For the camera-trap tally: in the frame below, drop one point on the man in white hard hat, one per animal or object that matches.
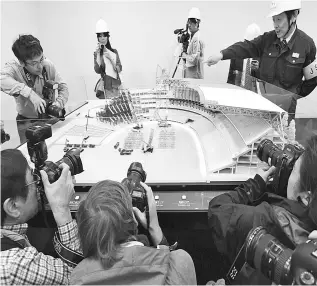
(195, 51)
(286, 54)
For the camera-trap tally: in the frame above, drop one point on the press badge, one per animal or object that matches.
(310, 71)
(295, 55)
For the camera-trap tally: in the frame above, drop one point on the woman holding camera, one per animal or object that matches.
(106, 63)
(114, 253)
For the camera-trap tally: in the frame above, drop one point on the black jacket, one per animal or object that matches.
(232, 215)
(282, 67)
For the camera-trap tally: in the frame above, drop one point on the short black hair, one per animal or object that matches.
(26, 47)
(13, 176)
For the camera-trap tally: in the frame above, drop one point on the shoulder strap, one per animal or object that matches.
(7, 243)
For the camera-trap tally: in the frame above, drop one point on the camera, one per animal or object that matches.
(135, 175)
(183, 37)
(277, 262)
(48, 93)
(283, 160)
(37, 150)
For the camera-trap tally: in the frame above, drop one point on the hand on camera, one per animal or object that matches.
(38, 103)
(59, 194)
(214, 59)
(267, 172)
(154, 227)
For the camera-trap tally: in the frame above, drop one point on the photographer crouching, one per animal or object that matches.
(21, 263)
(33, 81)
(285, 208)
(114, 253)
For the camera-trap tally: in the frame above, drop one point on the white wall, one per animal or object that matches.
(141, 31)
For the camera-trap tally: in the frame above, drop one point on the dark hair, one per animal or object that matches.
(105, 220)
(194, 20)
(13, 176)
(26, 47)
(291, 13)
(108, 45)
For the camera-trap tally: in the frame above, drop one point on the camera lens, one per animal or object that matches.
(73, 160)
(268, 152)
(265, 253)
(136, 170)
(55, 111)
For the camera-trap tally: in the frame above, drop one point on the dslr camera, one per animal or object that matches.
(283, 160)
(48, 93)
(37, 150)
(135, 175)
(280, 264)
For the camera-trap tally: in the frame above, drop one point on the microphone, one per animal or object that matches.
(178, 31)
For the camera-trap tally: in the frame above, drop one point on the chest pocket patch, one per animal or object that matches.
(293, 72)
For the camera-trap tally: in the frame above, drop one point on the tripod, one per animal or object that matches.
(179, 59)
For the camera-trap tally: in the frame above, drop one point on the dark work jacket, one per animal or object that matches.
(232, 215)
(279, 67)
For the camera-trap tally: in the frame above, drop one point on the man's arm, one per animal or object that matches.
(245, 49)
(10, 85)
(247, 193)
(29, 267)
(310, 74)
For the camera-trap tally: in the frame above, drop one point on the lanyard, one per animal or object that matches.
(29, 79)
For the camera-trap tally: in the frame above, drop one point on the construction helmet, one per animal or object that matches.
(101, 27)
(280, 6)
(194, 13)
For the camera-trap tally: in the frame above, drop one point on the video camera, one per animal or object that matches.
(283, 160)
(279, 263)
(48, 93)
(135, 175)
(183, 37)
(37, 150)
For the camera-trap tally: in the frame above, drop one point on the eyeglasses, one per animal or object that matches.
(36, 179)
(35, 63)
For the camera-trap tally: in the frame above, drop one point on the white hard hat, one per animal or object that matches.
(280, 6)
(194, 13)
(101, 27)
(252, 32)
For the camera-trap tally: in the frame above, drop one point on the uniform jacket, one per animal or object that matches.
(281, 67)
(195, 57)
(14, 82)
(139, 265)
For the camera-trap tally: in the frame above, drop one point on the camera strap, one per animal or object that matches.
(29, 78)
(236, 266)
(66, 254)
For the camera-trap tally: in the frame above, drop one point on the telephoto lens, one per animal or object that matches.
(268, 152)
(265, 253)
